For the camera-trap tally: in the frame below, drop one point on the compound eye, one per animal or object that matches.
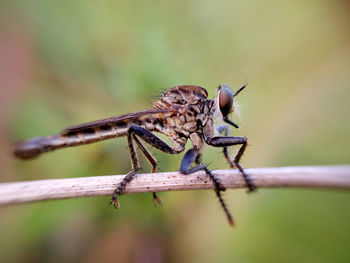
(225, 100)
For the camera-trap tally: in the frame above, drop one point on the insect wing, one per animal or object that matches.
(111, 120)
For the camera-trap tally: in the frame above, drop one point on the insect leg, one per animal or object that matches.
(190, 157)
(224, 129)
(198, 159)
(151, 139)
(155, 141)
(226, 141)
(157, 200)
(135, 167)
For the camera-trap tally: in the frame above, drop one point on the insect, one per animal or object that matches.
(182, 113)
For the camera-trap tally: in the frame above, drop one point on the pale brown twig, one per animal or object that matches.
(303, 176)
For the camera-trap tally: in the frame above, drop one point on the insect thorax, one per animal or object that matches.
(191, 113)
(181, 95)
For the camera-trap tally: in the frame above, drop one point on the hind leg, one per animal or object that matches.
(134, 132)
(156, 199)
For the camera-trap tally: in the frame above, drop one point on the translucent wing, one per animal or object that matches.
(112, 120)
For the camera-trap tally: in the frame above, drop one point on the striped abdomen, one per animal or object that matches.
(83, 134)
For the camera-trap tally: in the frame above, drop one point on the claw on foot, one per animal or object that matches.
(222, 188)
(157, 201)
(230, 220)
(115, 203)
(251, 188)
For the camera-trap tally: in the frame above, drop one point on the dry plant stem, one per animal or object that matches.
(303, 176)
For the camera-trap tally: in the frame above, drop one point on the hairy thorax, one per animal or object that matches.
(187, 122)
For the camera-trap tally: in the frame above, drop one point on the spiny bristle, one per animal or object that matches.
(162, 91)
(150, 102)
(158, 96)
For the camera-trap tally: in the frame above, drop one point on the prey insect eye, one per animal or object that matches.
(225, 100)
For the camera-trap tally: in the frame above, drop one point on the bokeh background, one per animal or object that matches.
(68, 62)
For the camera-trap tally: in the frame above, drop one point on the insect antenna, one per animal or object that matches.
(239, 90)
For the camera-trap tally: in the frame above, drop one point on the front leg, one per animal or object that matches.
(224, 129)
(192, 156)
(226, 141)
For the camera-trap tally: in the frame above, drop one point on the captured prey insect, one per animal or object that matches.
(183, 112)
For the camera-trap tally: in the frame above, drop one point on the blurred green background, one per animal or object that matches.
(68, 62)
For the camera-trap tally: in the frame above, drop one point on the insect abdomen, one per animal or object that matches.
(30, 148)
(33, 147)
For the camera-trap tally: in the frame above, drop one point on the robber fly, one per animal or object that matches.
(183, 112)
